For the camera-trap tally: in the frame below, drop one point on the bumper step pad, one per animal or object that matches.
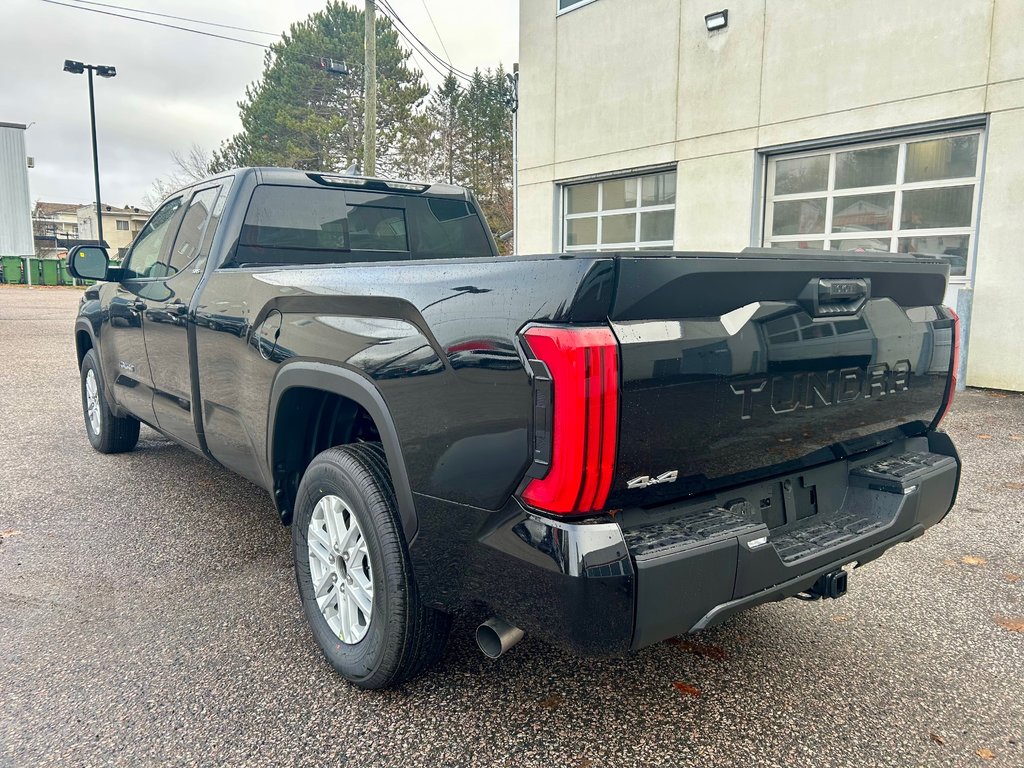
(824, 533)
(697, 527)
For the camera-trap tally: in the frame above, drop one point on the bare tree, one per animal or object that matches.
(188, 168)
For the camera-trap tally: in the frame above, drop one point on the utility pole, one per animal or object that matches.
(370, 108)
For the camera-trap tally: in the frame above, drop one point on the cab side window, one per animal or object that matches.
(192, 233)
(149, 253)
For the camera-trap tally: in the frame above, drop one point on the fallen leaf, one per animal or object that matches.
(984, 437)
(840, 618)
(1013, 625)
(985, 754)
(586, 762)
(9, 533)
(949, 561)
(699, 649)
(1015, 486)
(997, 394)
(973, 560)
(1017, 437)
(689, 690)
(936, 738)
(552, 701)
(1011, 578)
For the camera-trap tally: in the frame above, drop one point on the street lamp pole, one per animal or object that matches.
(77, 68)
(95, 161)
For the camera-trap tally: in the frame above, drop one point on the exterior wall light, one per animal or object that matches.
(717, 20)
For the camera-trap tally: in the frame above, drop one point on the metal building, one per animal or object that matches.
(15, 204)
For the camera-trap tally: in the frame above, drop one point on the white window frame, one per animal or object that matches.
(830, 193)
(578, 4)
(634, 245)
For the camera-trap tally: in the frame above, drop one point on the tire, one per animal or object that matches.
(400, 638)
(107, 433)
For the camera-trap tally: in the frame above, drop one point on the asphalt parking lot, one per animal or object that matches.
(148, 614)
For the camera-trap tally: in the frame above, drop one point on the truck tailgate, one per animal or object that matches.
(740, 367)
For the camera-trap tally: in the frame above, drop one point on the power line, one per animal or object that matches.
(176, 18)
(393, 15)
(427, 55)
(158, 24)
(408, 40)
(439, 39)
(444, 62)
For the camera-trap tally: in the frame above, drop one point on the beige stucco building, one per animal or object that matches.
(120, 226)
(836, 124)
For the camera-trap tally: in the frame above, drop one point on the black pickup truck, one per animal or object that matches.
(602, 449)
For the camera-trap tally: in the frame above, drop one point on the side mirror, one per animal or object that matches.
(88, 262)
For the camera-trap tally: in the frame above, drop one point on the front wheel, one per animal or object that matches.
(107, 433)
(354, 574)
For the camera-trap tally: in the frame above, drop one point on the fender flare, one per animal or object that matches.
(83, 324)
(356, 387)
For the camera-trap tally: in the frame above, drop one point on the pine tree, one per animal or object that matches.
(300, 116)
(444, 113)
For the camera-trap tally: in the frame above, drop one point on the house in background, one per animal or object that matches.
(54, 228)
(803, 124)
(120, 226)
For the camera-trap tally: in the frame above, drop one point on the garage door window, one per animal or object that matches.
(626, 214)
(917, 195)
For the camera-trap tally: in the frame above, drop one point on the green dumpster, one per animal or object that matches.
(65, 276)
(12, 269)
(35, 269)
(50, 271)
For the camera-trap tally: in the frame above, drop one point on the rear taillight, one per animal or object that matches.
(954, 367)
(576, 413)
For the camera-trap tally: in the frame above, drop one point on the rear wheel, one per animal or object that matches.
(353, 571)
(107, 433)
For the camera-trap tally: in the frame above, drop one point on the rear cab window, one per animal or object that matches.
(291, 225)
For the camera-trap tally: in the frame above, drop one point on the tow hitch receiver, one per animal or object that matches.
(830, 585)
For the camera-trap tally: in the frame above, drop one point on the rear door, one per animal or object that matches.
(735, 368)
(167, 317)
(123, 350)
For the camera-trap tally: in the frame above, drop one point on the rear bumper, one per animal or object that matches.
(608, 586)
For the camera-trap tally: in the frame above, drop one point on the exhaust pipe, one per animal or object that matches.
(496, 636)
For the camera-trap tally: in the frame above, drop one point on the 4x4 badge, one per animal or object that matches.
(646, 480)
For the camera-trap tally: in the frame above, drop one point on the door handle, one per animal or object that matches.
(139, 305)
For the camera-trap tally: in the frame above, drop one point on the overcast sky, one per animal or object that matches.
(174, 88)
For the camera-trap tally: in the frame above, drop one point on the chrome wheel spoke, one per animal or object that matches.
(317, 552)
(323, 587)
(361, 596)
(352, 626)
(339, 565)
(350, 535)
(330, 518)
(319, 542)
